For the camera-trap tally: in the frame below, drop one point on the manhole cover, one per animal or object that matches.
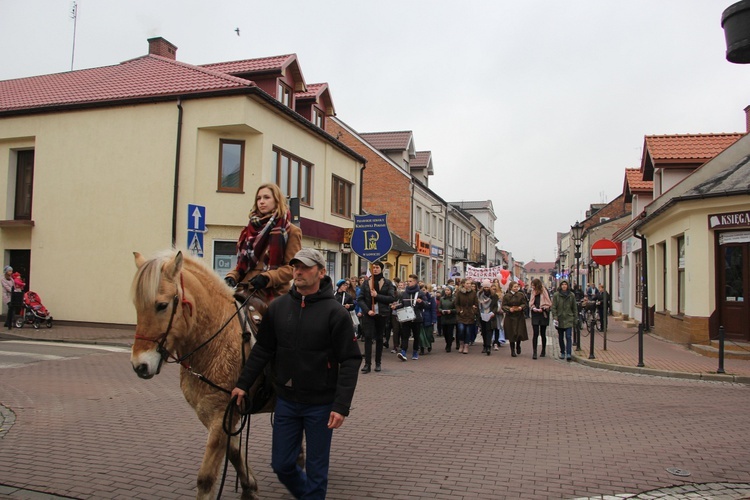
(678, 472)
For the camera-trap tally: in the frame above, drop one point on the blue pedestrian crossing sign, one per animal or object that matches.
(196, 225)
(195, 243)
(196, 218)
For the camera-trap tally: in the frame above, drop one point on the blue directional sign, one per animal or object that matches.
(195, 243)
(196, 218)
(371, 238)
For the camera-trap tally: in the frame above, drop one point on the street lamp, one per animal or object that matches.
(576, 232)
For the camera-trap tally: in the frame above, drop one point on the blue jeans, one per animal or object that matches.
(290, 420)
(466, 333)
(565, 345)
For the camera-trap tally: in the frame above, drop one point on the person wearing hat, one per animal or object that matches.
(564, 312)
(308, 337)
(375, 297)
(266, 245)
(8, 289)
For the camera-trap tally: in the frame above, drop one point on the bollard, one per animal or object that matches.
(591, 345)
(640, 345)
(721, 350)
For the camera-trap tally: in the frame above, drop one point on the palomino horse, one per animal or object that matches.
(186, 313)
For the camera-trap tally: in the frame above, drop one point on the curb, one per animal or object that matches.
(713, 377)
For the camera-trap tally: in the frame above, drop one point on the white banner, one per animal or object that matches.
(480, 273)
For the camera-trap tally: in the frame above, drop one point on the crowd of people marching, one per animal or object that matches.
(391, 315)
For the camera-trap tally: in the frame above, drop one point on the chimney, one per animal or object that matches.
(747, 119)
(160, 47)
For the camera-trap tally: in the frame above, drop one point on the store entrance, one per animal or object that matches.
(734, 283)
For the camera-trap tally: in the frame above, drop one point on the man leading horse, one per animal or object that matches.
(309, 338)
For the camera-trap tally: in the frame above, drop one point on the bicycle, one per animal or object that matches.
(591, 319)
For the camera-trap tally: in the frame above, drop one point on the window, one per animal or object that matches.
(441, 229)
(418, 219)
(24, 184)
(285, 94)
(341, 197)
(293, 175)
(638, 257)
(231, 165)
(225, 257)
(433, 226)
(664, 262)
(681, 275)
(317, 117)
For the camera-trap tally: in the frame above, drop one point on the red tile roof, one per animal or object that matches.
(539, 267)
(313, 90)
(259, 65)
(388, 141)
(636, 184)
(140, 78)
(688, 146)
(422, 160)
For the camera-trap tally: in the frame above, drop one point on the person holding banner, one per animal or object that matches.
(467, 306)
(374, 299)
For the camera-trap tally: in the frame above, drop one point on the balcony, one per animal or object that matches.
(459, 254)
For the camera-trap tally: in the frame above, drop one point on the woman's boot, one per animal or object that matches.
(534, 355)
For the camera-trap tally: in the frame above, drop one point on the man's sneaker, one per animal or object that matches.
(415, 355)
(394, 351)
(402, 355)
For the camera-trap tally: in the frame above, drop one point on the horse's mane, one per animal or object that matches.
(148, 277)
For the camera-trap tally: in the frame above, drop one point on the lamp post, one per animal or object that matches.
(576, 232)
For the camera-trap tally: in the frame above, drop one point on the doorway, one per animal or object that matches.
(733, 279)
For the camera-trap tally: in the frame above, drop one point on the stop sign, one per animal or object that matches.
(604, 252)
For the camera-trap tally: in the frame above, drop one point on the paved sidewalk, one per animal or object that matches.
(660, 357)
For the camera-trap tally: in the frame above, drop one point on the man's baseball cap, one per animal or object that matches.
(309, 257)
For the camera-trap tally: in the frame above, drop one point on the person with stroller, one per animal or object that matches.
(9, 287)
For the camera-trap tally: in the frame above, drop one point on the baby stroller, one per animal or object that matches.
(34, 312)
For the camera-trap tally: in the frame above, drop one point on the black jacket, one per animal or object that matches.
(386, 295)
(315, 355)
(408, 298)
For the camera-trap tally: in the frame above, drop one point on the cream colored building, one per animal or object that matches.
(98, 163)
(698, 243)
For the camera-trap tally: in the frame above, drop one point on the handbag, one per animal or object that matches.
(405, 314)
(355, 318)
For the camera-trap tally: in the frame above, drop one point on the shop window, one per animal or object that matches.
(638, 258)
(681, 275)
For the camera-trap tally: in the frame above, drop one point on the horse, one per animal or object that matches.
(186, 313)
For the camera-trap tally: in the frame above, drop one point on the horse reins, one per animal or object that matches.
(168, 357)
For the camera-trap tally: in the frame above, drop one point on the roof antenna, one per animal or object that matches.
(74, 17)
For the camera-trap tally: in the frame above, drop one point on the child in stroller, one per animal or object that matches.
(34, 311)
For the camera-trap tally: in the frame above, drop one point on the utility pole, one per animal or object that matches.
(74, 16)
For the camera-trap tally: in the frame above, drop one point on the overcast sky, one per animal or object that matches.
(538, 106)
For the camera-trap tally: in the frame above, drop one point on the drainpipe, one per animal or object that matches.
(644, 277)
(176, 173)
(361, 210)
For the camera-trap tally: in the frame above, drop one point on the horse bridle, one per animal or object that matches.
(161, 339)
